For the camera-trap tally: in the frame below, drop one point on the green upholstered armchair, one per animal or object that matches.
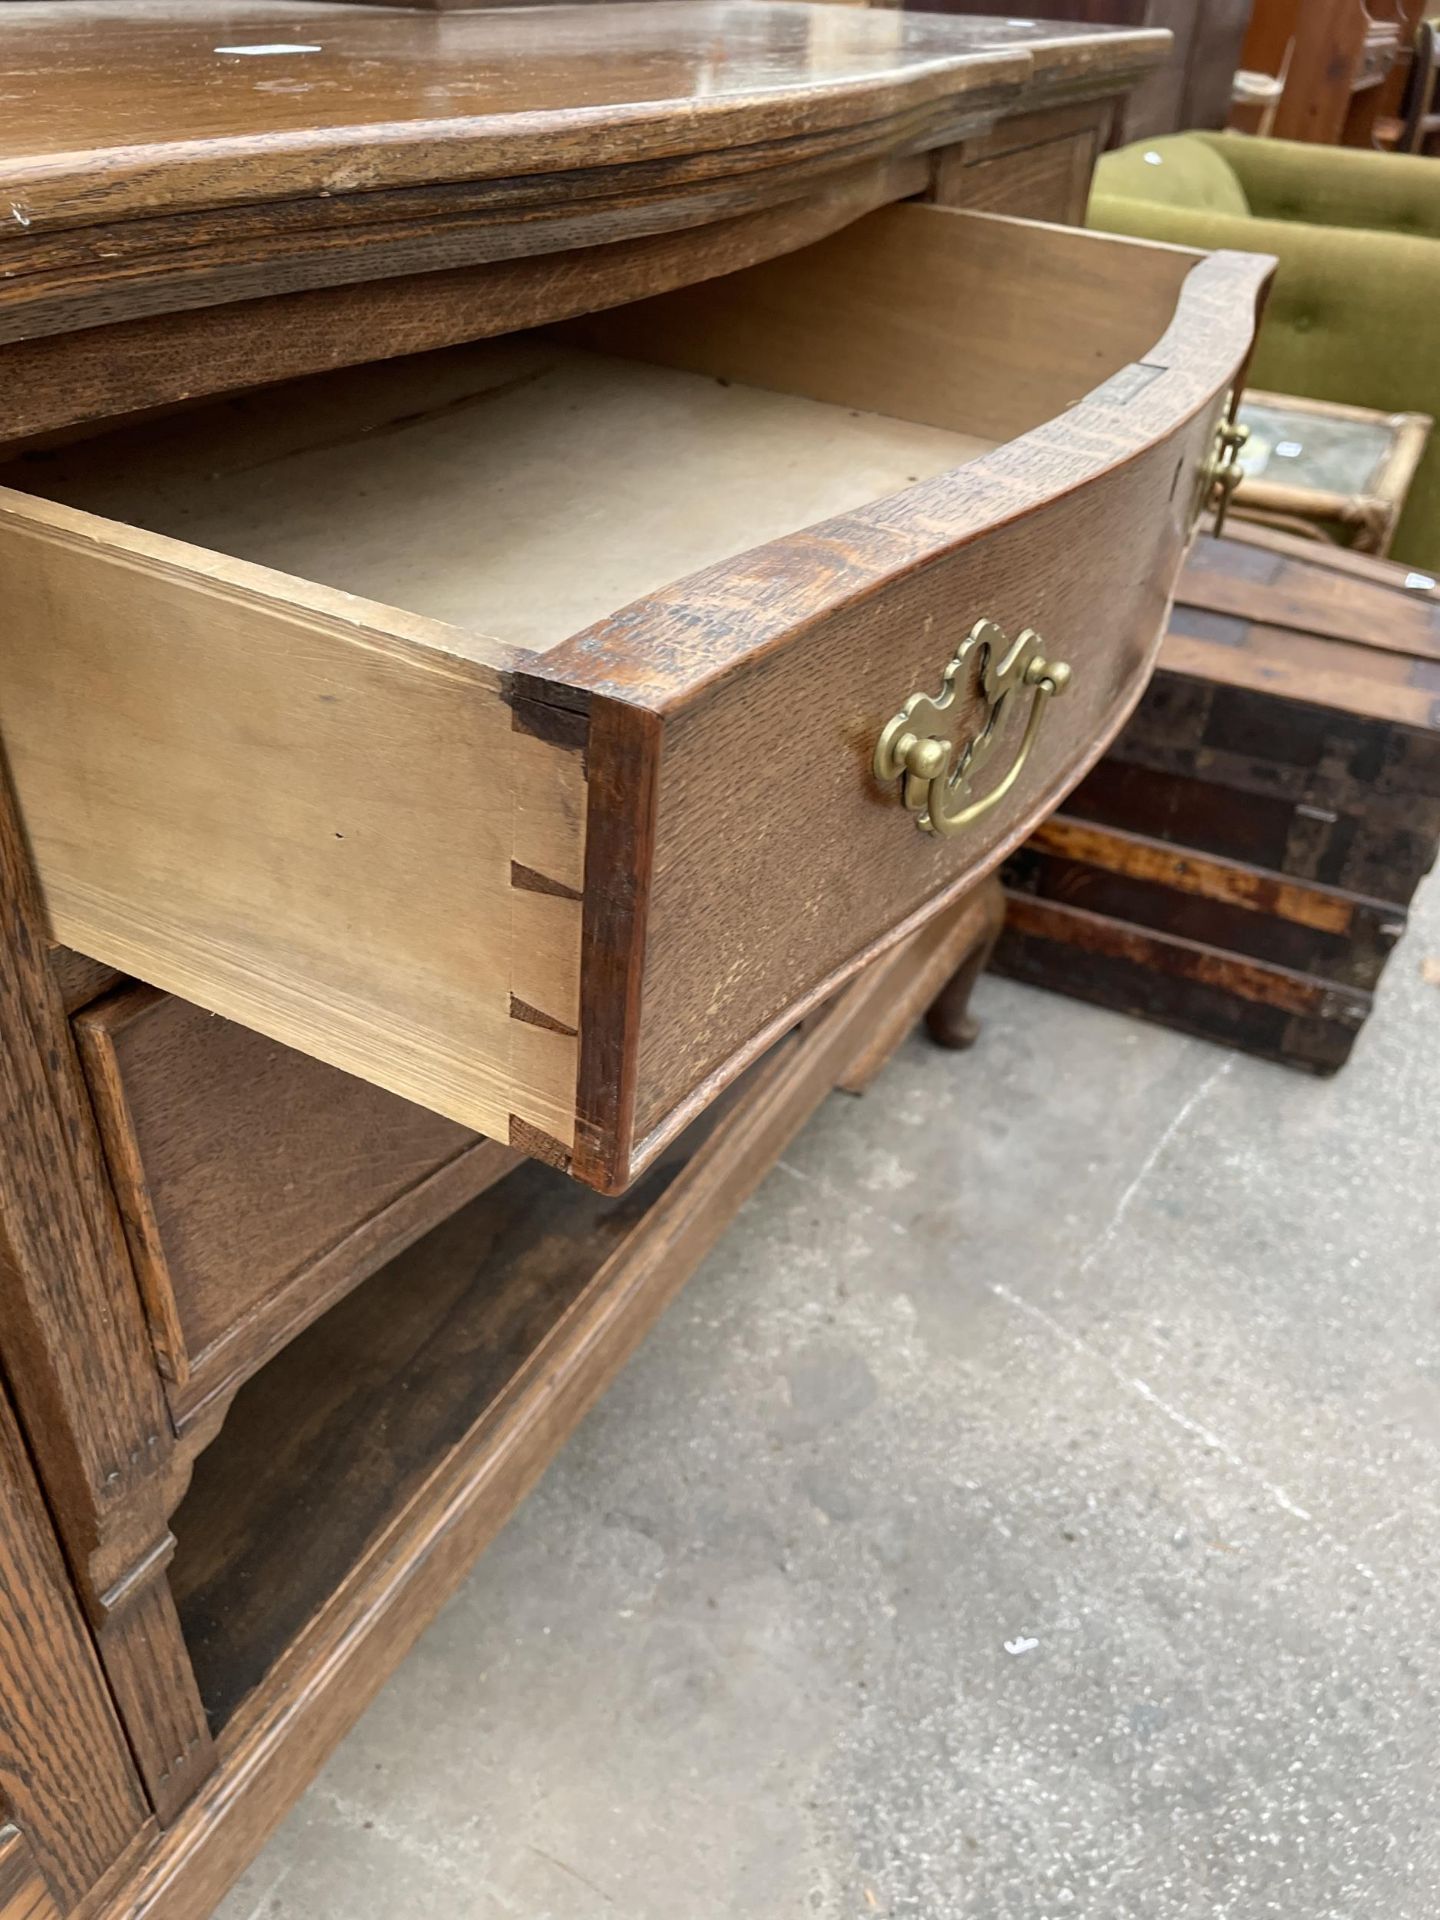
(1355, 311)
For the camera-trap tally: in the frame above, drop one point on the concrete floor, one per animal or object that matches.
(1029, 1512)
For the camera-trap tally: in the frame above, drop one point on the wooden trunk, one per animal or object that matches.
(1240, 863)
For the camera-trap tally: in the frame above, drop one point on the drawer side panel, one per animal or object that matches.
(296, 809)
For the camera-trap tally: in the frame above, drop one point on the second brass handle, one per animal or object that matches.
(1225, 470)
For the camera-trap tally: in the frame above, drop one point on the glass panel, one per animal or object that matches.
(1320, 452)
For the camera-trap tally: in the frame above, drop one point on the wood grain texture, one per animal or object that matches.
(125, 367)
(331, 765)
(1252, 839)
(112, 118)
(1283, 1016)
(257, 1185)
(1035, 166)
(66, 1777)
(1293, 723)
(1293, 586)
(451, 483)
(831, 630)
(142, 144)
(1049, 182)
(76, 1352)
(510, 991)
(881, 316)
(23, 1892)
(444, 1507)
(1242, 909)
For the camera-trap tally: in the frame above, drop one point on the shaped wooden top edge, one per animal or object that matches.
(163, 107)
(679, 645)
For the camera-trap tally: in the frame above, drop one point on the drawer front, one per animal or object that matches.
(562, 897)
(256, 1184)
(780, 858)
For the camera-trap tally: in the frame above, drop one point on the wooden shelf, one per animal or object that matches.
(326, 1449)
(363, 1467)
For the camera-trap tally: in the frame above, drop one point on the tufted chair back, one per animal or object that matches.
(1355, 311)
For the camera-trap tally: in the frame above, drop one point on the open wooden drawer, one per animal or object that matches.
(556, 871)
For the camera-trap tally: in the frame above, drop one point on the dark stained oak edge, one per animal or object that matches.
(131, 367)
(623, 756)
(184, 271)
(426, 154)
(283, 1732)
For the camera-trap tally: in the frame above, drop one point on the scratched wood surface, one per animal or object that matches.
(173, 154)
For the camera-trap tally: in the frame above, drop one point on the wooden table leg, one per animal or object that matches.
(956, 944)
(948, 1019)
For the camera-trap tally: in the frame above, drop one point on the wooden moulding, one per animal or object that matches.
(64, 380)
(418, 149)
(67, 1782)
(499, 1406)
(78, 1363)
(563, 897)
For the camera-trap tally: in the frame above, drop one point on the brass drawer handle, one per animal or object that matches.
(1225, 471)
(918, 744)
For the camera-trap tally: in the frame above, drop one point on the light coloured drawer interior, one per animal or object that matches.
(447, 848)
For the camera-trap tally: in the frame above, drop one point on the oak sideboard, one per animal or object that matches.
(547, 555)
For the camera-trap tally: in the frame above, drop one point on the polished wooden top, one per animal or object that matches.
(113, 108)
